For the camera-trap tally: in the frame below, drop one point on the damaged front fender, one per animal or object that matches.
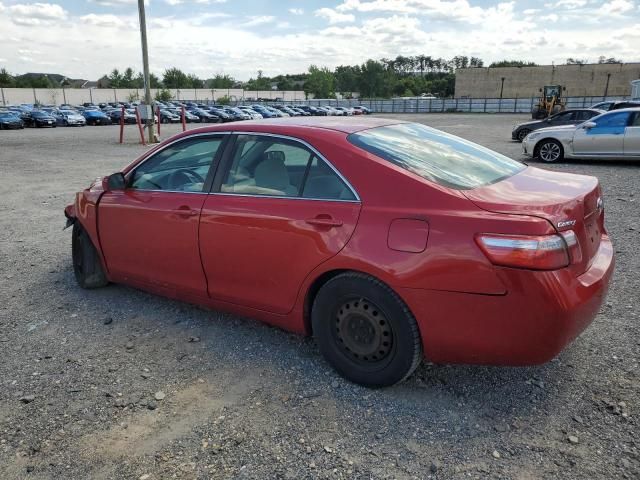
(70, 214)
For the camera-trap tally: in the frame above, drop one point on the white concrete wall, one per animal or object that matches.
(77, 96)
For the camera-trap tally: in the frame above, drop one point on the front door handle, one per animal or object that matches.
(324, 221)
(185, 212)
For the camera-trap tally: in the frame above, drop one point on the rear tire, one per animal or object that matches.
(87, 267)
(550, 151)
(365, 330)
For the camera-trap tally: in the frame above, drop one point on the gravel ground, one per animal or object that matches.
(119, 384)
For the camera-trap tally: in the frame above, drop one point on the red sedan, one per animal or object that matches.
(387, 241)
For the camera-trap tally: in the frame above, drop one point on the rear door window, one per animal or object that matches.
(436, 156)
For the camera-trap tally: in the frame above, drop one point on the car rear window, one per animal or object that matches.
(436, 156)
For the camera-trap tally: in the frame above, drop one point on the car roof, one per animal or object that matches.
(628, 109)
(340, 124)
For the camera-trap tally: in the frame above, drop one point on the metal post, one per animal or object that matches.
(606, 88)
(515, 105)
(145, 66)
(35, 99)
(90, 95)
(64, 96)
(3, 100)
(122, 124)
(159, 119)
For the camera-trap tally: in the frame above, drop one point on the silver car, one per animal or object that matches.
(612, 135)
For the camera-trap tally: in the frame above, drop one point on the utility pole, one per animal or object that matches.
(145, 69)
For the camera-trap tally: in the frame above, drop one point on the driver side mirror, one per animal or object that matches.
(588, 125)
(115, 181)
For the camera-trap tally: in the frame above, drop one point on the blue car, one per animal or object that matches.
(96, 117)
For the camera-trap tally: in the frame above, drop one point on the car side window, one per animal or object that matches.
(563, 117)
(182, 167)
(272, 166)
(265, 165)
(583, 115)
(323, 183)
(636, 120)
(618, 119)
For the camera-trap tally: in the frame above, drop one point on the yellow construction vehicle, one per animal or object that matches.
(550, 102)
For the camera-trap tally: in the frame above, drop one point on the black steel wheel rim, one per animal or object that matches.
(363, 332)
(522, 134)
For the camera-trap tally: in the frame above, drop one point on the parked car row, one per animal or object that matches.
(28, 115)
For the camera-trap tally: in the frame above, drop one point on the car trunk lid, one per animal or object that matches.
(567, 201)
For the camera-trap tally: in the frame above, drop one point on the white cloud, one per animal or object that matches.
(107, 20)
(36, 14)
(259, 20)
(113, 3)
(200, 2)
(296, 11)
(334, 17)
(552, 17)
(570, 4)
(616, 7)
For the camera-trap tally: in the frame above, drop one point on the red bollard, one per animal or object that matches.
(159, 119)
(184, 120)
(139, 122)
(122, 125)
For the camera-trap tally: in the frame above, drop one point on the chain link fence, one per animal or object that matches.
(449, 105)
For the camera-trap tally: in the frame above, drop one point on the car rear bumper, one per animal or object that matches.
(541, 313)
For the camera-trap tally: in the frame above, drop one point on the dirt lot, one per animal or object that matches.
(81, 370)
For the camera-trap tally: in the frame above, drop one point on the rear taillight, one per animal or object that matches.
(544, 252)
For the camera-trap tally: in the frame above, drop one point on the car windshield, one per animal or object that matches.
(7, 115)
(39, 114)
(436, 156)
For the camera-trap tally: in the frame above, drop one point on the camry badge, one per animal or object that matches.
(566, 223)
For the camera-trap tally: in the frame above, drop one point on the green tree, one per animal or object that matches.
(321, 82)
(603, 59)
(115, 78)
(163, 95)
(194, 82)
(576, 61)
(376, 80)
(128, 79)
(512, 63)
(6, 79)
(347, 78)
(175, 78)
(221, 81)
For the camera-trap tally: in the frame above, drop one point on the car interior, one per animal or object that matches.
(181, 167)
(275, 167)
(260, 166)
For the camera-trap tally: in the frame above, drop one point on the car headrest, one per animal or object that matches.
(271, 171)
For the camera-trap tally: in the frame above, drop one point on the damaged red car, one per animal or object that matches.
(387, 241)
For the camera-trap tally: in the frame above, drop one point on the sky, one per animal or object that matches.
(88, 38)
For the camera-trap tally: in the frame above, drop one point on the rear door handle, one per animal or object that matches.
(186, 212)
(324, 221)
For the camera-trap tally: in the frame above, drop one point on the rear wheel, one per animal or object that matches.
(550, 151)
(365, 331)
(86, 263)
(523, 133)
